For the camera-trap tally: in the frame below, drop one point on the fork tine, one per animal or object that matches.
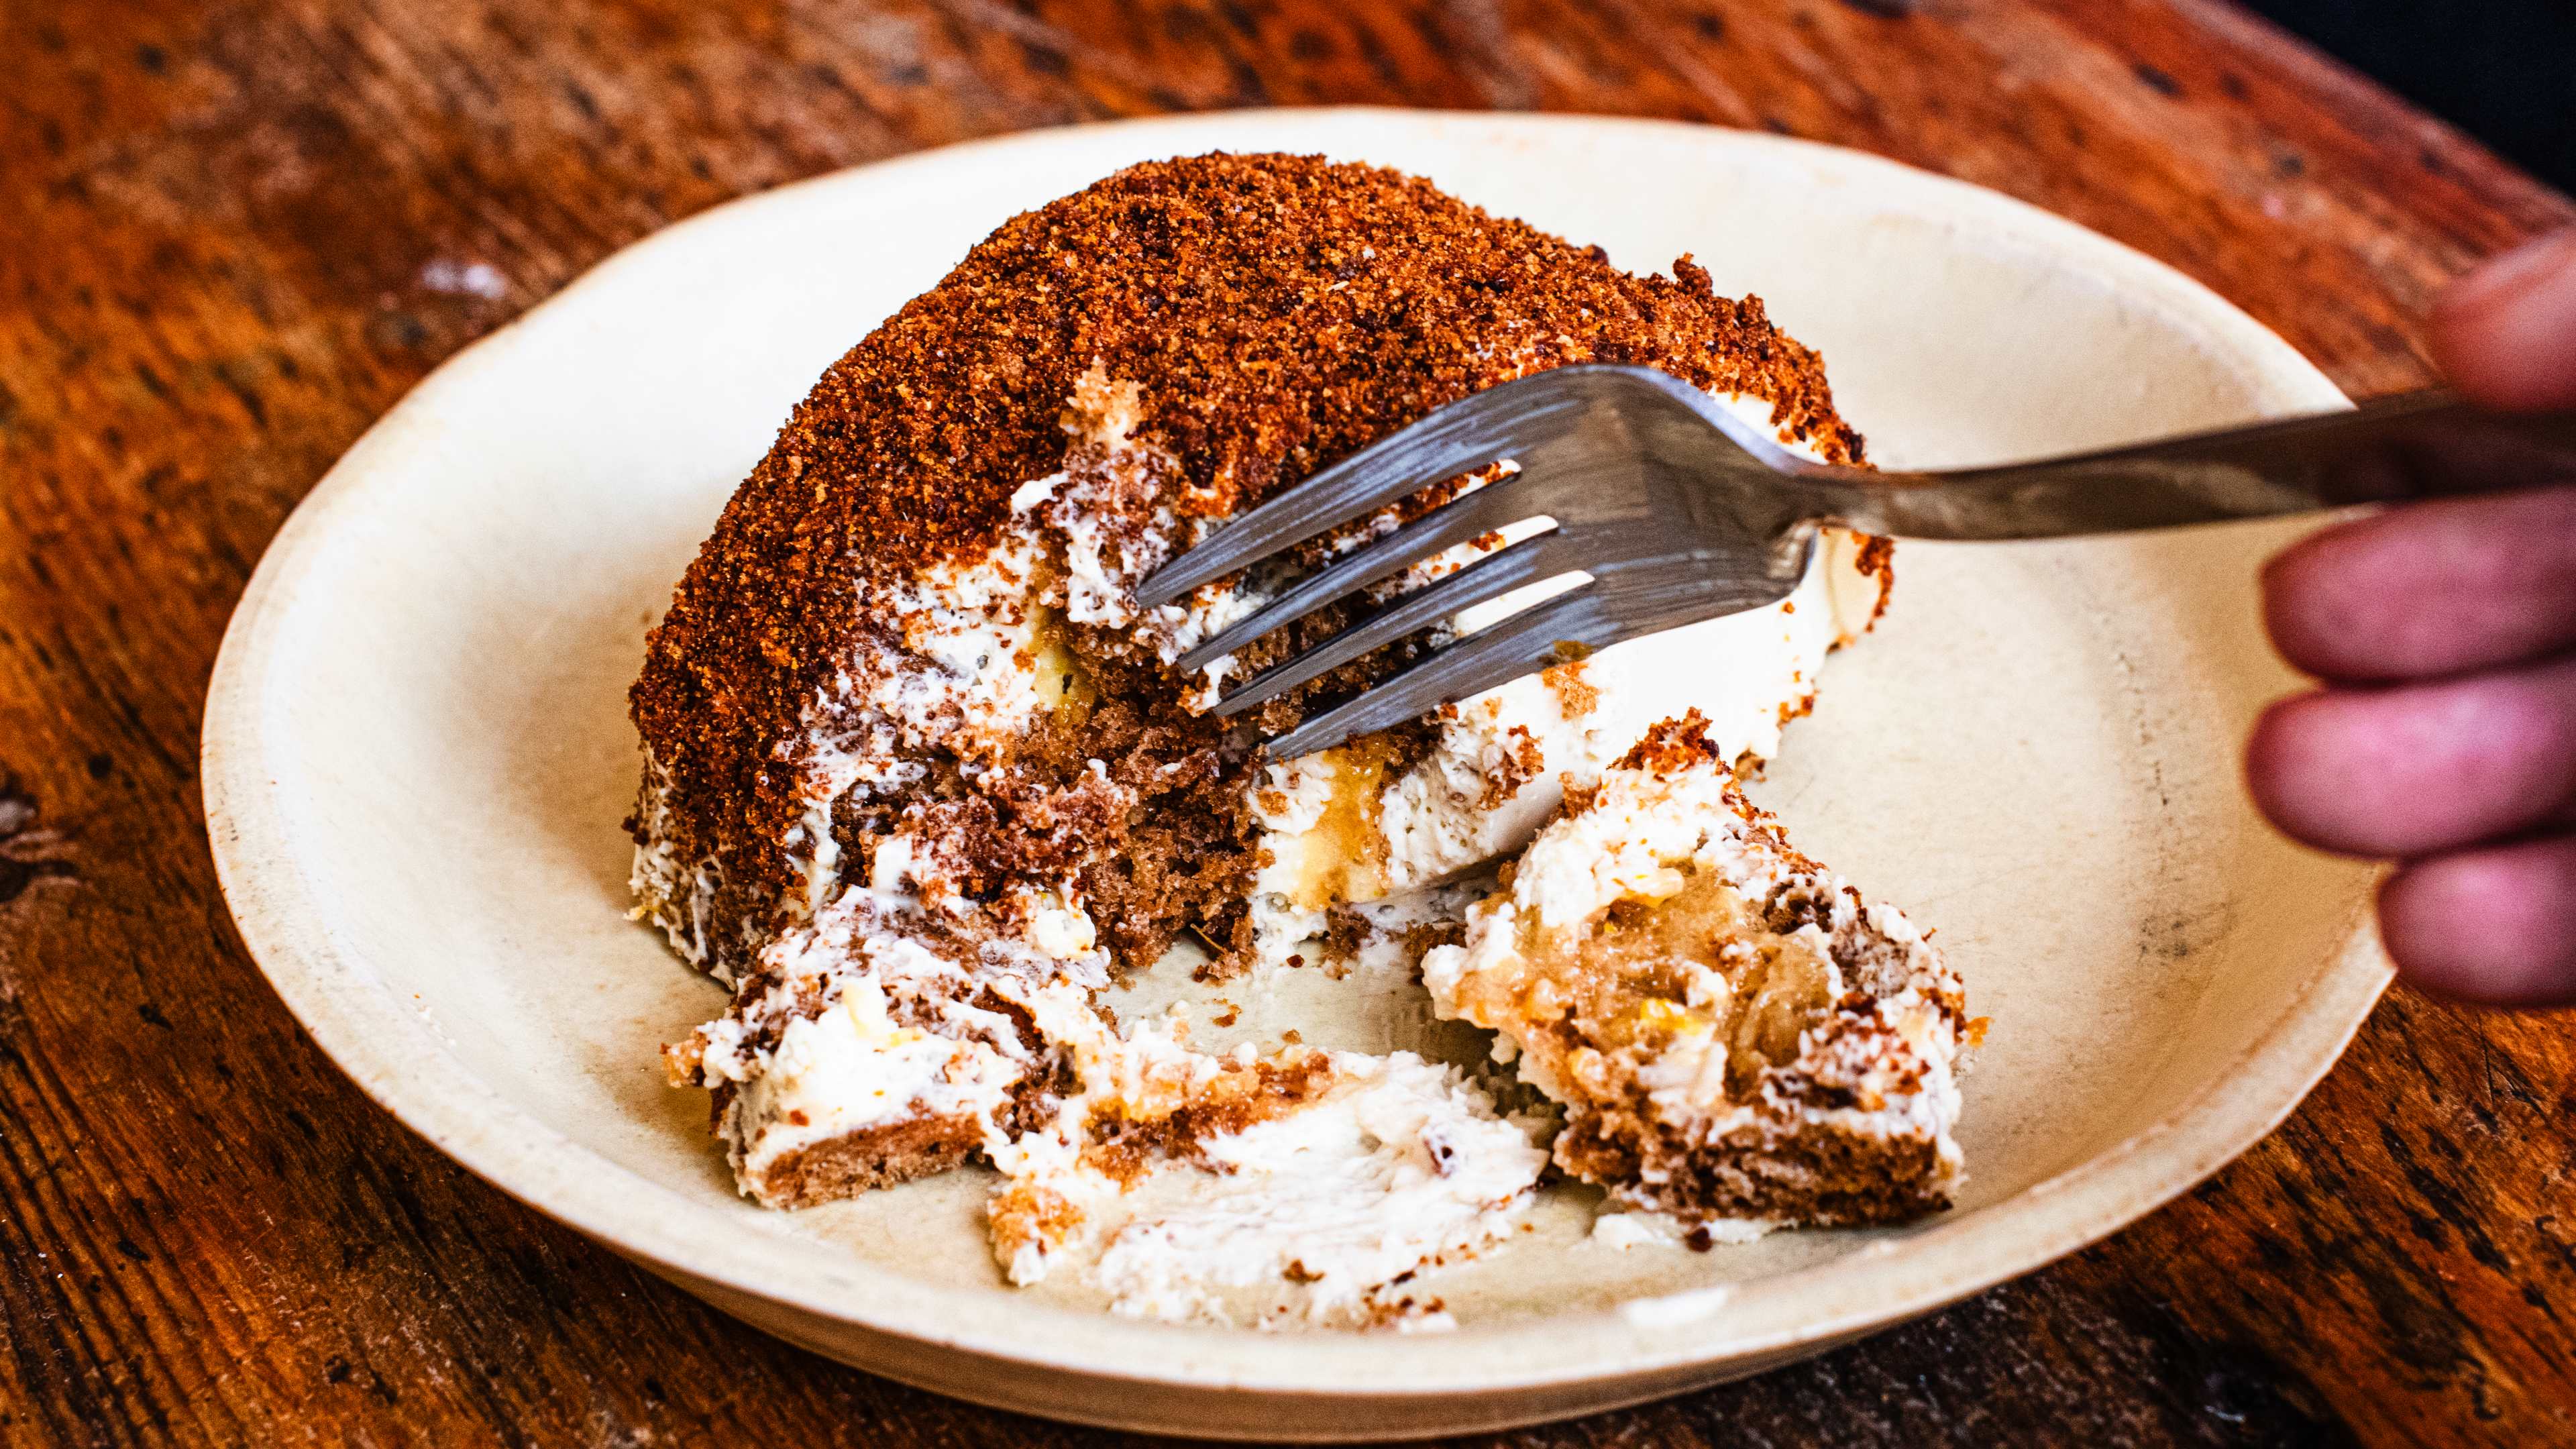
(1528, 562)
(1522, 644)
(1478, 430)
(1623, 602)
(1455, 522)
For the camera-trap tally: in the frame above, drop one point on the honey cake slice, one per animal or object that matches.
(922, 781)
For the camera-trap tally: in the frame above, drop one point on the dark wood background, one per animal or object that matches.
(232, 234)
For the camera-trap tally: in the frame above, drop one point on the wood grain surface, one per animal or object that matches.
(232, 234)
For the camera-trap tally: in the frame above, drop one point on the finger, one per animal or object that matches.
(2505, 334)
(2423, 768)
(2437, 588)
(2495, 925)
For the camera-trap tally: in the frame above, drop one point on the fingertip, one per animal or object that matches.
(2287, 587)
(2336, 603)
(2505, 333)
(2437, 588)
(2470, 362)
(2333, 599)
(2276, 766)
(2415, 769)
(2493, 925)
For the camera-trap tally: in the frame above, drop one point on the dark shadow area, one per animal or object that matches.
(2502, 70)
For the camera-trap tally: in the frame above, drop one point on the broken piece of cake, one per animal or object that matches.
(1737, 1035)
(922, 781)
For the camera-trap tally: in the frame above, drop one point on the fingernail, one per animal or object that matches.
(2545, 263)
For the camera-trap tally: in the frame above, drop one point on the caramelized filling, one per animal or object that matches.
(1694, 989)
(1063, 685)
(1345, 858)
(1703, 960)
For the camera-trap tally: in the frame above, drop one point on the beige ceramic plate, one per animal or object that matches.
(417, 756)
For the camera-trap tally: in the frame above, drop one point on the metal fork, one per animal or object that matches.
(1680, 511)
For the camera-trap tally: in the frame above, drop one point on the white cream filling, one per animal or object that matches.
(1309, 1218)
(850, 1069)
(852, 1064)
(1623, 1229)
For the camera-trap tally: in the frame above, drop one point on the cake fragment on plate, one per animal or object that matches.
(886, 1040)
(1319, 1211)
(1736, 1033)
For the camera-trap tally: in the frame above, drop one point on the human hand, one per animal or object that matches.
(2445, 636)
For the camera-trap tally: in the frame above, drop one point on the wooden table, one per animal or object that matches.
(232, 235)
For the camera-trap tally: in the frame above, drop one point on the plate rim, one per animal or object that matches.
(396, 1060)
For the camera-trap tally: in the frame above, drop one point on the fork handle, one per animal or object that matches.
(2382, 451)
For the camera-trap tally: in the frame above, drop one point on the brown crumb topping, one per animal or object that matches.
(1877, 559)
(1575, 696)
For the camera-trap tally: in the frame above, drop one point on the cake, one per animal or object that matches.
(1736, 1034)
(921, 780)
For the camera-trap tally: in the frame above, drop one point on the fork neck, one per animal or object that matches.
(2327, 460)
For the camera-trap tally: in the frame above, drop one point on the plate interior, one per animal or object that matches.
(2034, 753)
